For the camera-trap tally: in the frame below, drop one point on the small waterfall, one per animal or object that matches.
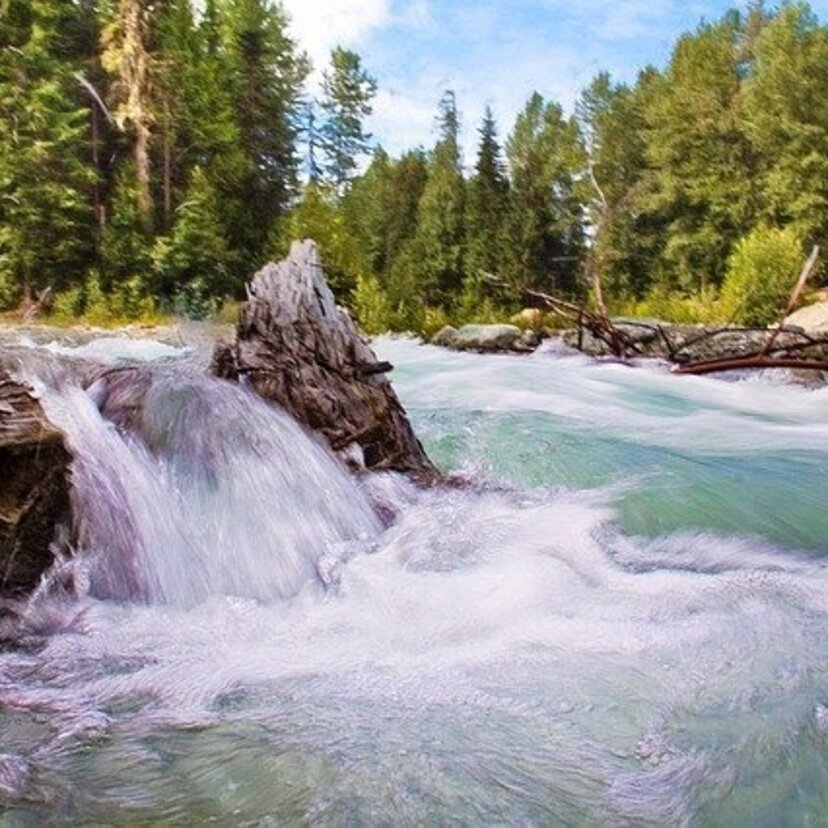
(215, 493)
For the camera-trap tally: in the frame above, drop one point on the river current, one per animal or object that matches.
(621, 619)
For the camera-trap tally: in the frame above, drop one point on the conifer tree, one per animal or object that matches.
(266, 74)
(439, 242)
(45, 176)
(347, 92)
(785, 112)
(486, 204)
(127, 56)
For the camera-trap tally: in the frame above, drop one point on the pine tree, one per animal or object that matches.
(195, 260)
(45, 175)
(347, 92)
(128, 57)
(439, 241)
(265, 76)
(486, 206)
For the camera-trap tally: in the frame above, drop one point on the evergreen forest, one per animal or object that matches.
(153, 155)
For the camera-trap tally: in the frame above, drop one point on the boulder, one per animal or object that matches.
(487, 337)
(445, 337)
(298, 349)
(528, 341)
(34, 488)
(812, 319)
(483, 338)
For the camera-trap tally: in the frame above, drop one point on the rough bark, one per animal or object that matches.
(299, 350)
(34, 488)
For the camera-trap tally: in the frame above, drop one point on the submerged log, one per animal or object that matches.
(298, 349)
(34, 488)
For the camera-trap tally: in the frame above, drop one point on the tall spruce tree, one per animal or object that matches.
(127, 55)
(440, 240)
(266, 74)
(45, 174)
(486, 203)
(347, 92)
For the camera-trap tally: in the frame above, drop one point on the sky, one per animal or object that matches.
(490, 52)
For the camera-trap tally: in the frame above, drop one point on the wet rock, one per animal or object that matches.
(298, 349)
(445, 337)
(688, 343)
(483, 338)
(487, 337)
(34, 487)
(528, 341)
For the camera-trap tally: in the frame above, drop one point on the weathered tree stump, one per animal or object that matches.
(34, 488)
(298, 349)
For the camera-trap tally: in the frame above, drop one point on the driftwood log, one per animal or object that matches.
(34, 488)
(298, 349)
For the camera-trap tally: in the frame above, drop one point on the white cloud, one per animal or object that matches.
(319, 25)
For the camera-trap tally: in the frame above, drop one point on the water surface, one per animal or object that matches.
(622, 621)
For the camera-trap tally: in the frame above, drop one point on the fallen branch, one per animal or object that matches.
(752, 361)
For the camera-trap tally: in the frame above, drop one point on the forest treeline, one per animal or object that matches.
(154, 154)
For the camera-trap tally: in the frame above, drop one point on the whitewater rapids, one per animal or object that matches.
(623, 620)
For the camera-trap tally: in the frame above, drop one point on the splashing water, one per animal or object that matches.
(627, 627)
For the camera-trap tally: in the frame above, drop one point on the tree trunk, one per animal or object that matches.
(299, 350)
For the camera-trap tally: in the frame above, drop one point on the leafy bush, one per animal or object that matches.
(372, 306)
(671, 306)
(68, 306)
(434, 318)
(760, 274)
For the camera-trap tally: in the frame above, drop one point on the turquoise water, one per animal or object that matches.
(745, 457)
(622, 619)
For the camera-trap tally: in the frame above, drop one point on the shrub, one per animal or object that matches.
(671, 306)
(760, 274)
(372, 306)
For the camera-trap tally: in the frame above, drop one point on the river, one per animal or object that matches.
(621, 619)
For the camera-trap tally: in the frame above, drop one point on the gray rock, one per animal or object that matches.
(445, 337)
(488, 338)
(812, 319)
(528, 341)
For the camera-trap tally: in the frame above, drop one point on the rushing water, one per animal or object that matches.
(623, 620)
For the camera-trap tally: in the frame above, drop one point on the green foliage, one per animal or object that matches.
(761, 273)
(45, 179)
(486, 204)
(149, 156)
(372, 307)
(702, 182)
(347, 91)
(194, 261)
(440, 238)
(673, 306)
(786, 116)
(318, 217)
(433, 319)
(125, 243)
(544, 222)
